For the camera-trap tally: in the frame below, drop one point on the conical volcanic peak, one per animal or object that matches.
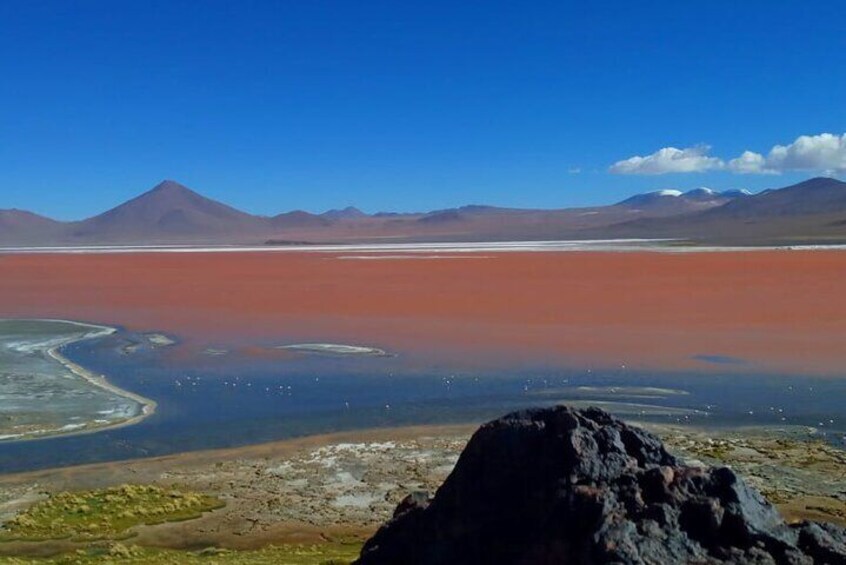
(169, 210)
(168, 194)
(168, 185)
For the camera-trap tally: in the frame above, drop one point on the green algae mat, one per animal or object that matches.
(104, 514)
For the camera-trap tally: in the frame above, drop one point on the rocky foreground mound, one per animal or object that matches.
(561, 485)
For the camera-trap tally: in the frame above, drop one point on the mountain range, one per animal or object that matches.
(170, 213)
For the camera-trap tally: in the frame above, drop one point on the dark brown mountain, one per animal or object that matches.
(567, 222)
(348, 213)
(471, 211)
(442, 216)
(298, 219)
(168, 212)
(19, 227)
(807, 212)
(821, 195)
(672, 202)
(493, 223)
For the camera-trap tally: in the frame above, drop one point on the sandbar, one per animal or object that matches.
(51, 349)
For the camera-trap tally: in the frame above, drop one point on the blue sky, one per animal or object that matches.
(272, 106)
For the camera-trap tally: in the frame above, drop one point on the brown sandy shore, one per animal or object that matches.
(343, 485)
(305, 490)
(780, 311)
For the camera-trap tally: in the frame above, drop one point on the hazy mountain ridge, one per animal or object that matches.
(348, 213)
(810, 211)
(20, 225)
(14, 218)
(173, 213)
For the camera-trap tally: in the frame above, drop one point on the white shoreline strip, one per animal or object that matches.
(609, 245)
(382, 256)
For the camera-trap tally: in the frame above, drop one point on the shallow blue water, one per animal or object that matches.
(231, 401)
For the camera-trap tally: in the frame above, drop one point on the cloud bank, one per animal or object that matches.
(824, 153)
(668, 160)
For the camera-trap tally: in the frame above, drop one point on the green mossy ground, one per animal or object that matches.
(322, 554)
(99, 519)
(104, 514)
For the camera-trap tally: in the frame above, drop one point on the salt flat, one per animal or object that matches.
(42, 393)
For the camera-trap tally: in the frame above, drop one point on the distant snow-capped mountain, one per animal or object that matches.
(695, 199)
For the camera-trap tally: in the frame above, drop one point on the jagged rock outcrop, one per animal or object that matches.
(559, 485)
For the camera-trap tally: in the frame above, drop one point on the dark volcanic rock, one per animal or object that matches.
(560, 485)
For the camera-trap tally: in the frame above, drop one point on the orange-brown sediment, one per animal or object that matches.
(778, 310)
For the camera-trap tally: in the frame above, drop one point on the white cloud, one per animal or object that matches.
(669, 160)
(750, 162)
(824, 153)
